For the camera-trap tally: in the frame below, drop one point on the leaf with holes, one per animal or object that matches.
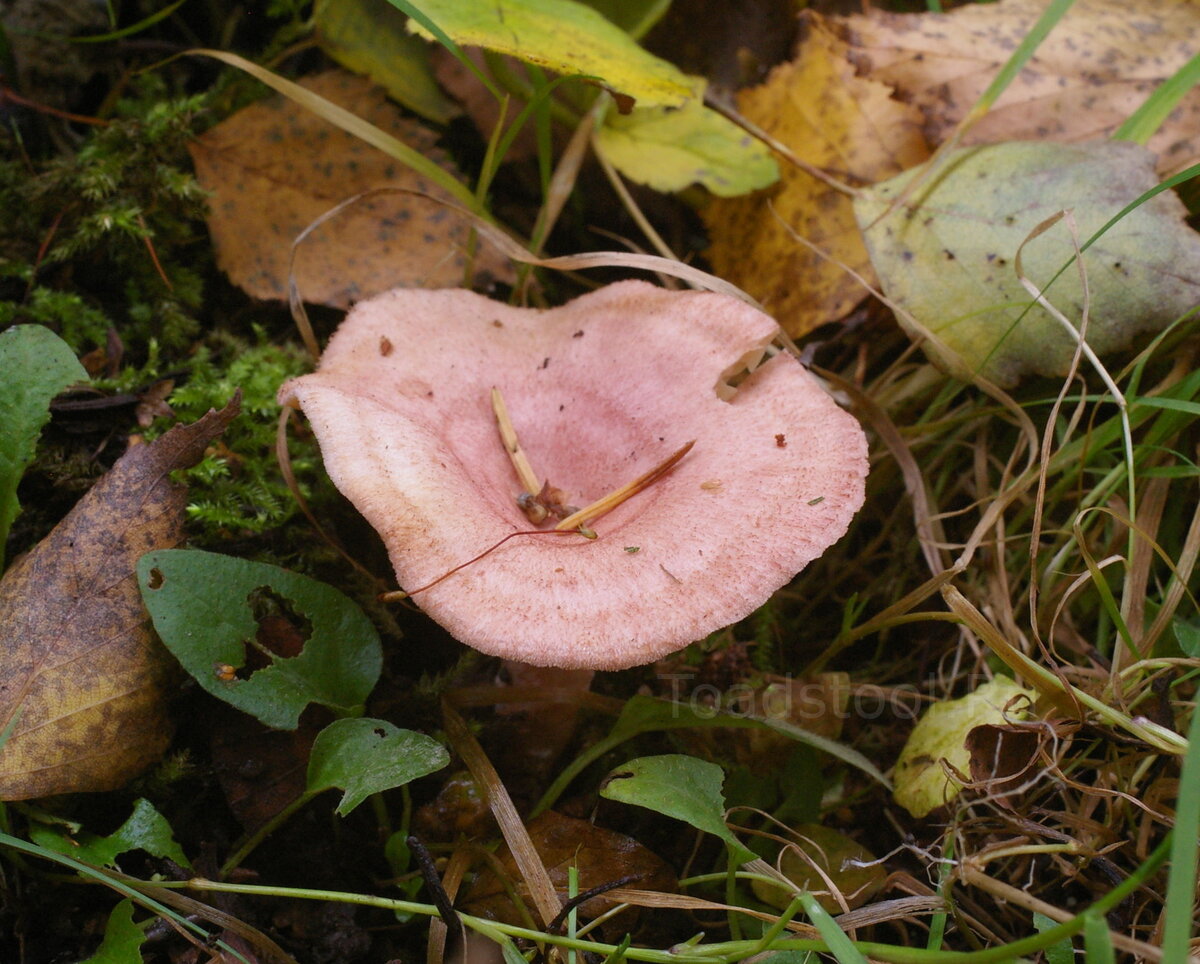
(678, 786)
(208, 609)
(366, 756)
(146, 829)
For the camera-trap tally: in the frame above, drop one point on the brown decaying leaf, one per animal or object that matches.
(602, 856)
(260, 770)
(1094, 69)
(1002, 757)
(833, 119)
(460, 808)
(538, 732)
(80, 672)
(275, 167)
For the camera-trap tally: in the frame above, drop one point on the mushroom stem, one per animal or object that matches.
(508, 435)
(609, 502)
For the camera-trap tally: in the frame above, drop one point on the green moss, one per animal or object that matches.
(124, 206)
(237, 488)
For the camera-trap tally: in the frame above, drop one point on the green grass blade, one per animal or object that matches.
(1141, 125)
(1097, 941)
(1050, 17)
(446, 41)
(840, 946)
(1181, 881)
(937, 923)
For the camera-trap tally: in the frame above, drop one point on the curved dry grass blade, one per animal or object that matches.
(930, 533)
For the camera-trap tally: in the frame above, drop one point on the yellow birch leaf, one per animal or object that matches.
(566, 37)
(922, 784)
(275, 167)
(835, 120)
(1093, 70)
(669, 149)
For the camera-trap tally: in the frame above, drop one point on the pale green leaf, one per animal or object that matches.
(677, 786)
(946, 256)
(842, 859)
(922, 783)
(669, 149)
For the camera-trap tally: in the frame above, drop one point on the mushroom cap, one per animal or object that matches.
(600, 391)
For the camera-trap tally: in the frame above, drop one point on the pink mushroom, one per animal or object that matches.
(599, 392)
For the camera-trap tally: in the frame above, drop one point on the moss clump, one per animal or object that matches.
(124, 206)
(237, 488)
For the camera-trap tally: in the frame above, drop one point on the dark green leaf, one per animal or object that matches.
(677, 786)
(366, 756)
(202, 607)
(146, 829)
(1061, 953)
(123, 939)
(35, 365)
(1187, 634)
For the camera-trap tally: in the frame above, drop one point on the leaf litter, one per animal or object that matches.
(84, 685)
(1091, 73)
(1034, 833)
(275, 167)
(832, 119)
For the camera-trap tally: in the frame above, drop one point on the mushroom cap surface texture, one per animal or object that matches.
(600, 391)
